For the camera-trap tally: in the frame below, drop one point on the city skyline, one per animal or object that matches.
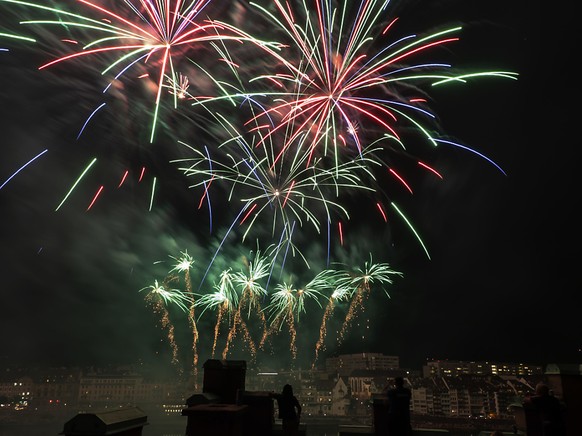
(496, 263)
(451, 395)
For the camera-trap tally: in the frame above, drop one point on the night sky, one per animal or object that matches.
(500, 284)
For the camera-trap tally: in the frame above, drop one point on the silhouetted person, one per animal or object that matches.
(549, 409)
(399, 409)
(289, 411)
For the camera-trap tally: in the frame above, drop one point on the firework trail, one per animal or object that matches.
(239, 324)
(252, 291)
(22, 167)
(251, 294)
(336, 281)
(183, 265)
(281, 307)
(287, 303)
(224, 299)
(360, 282)
(159, 298)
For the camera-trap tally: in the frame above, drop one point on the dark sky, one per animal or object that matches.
(501, 281)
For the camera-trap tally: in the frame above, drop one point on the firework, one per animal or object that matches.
(237, 299)
(335, 280)
(251, 292)
(273, 195)
(287, 303)
(159, 298)
(139, 39)
(183, 265)
(282, 305)
(135, 50)
(224, 300)
(334, 105)
(360, 282)
(342, 75)
(344, 86)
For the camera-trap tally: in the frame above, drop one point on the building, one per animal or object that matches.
(344, 364)
(455, 368)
